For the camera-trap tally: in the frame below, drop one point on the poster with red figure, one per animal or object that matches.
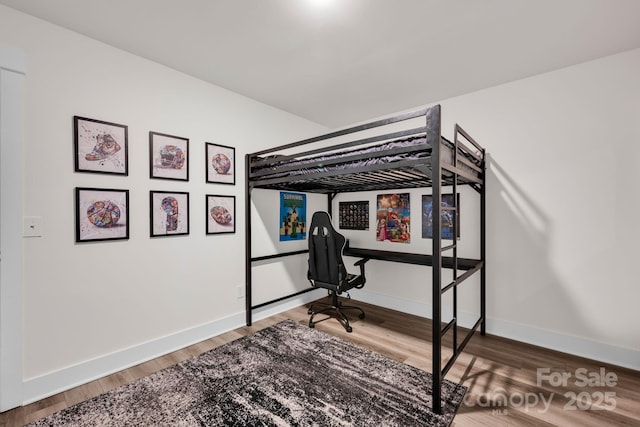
(393, 219)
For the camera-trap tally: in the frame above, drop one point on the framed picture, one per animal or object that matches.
(100, 147)
(168, 157)
(353, 215)
(169, 213)
(221, 163)
(101, 214)
(446, 220)
(221, 214)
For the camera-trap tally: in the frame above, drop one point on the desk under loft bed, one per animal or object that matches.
(385, 160)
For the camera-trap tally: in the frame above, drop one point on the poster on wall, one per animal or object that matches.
(393, 219)
(354, 215)
(446, 221)
(293, 216)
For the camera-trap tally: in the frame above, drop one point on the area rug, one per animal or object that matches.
(285, 375)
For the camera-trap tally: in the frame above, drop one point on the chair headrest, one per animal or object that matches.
(321, 218)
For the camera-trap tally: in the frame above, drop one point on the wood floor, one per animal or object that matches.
(509, 383)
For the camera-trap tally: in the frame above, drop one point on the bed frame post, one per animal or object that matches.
(330, 198)
(483, 246)
(247, 233)
(434, 138)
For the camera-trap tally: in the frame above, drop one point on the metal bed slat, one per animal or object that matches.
(266, 171)
(388, 172)
(362, 142)
(319, 176)
(261, 178)
(354, 129)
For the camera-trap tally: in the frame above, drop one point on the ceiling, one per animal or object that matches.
(337, 62)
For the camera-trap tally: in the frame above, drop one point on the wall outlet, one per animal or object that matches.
(240, 292)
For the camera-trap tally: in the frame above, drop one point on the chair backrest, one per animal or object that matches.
(325, 251)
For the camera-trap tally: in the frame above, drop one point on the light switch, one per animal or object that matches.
(32, 226)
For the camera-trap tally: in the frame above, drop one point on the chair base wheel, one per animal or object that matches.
(334, 309)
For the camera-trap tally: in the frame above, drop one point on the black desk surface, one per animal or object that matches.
(409, 258)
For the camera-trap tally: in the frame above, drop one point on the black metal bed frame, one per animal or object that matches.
(416, 173)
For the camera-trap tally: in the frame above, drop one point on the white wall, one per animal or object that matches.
(93, 308)
(562, 209)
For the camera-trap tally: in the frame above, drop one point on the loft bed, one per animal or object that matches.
(385, 159)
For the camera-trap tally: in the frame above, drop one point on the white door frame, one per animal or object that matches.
(12, 81)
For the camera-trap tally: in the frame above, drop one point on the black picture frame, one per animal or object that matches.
(168, 156)
(102, 214)
(220, 164)
(100, 147)
(169, 213)
(220, 214)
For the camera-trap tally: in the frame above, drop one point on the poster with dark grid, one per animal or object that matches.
(354, 215)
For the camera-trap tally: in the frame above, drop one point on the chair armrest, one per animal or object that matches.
(361, 263)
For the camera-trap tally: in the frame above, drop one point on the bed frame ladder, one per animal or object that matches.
(438, 168)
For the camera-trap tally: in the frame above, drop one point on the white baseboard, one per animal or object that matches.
(578, 346)
(583, 347)
(46, 385)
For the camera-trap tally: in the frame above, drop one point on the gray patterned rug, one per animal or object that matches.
(284, 375)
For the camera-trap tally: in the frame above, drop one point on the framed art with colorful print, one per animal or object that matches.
(168, 156)
(221, 214)
(169, 213)
(221, 164)
(99, 146)
(101, 214)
